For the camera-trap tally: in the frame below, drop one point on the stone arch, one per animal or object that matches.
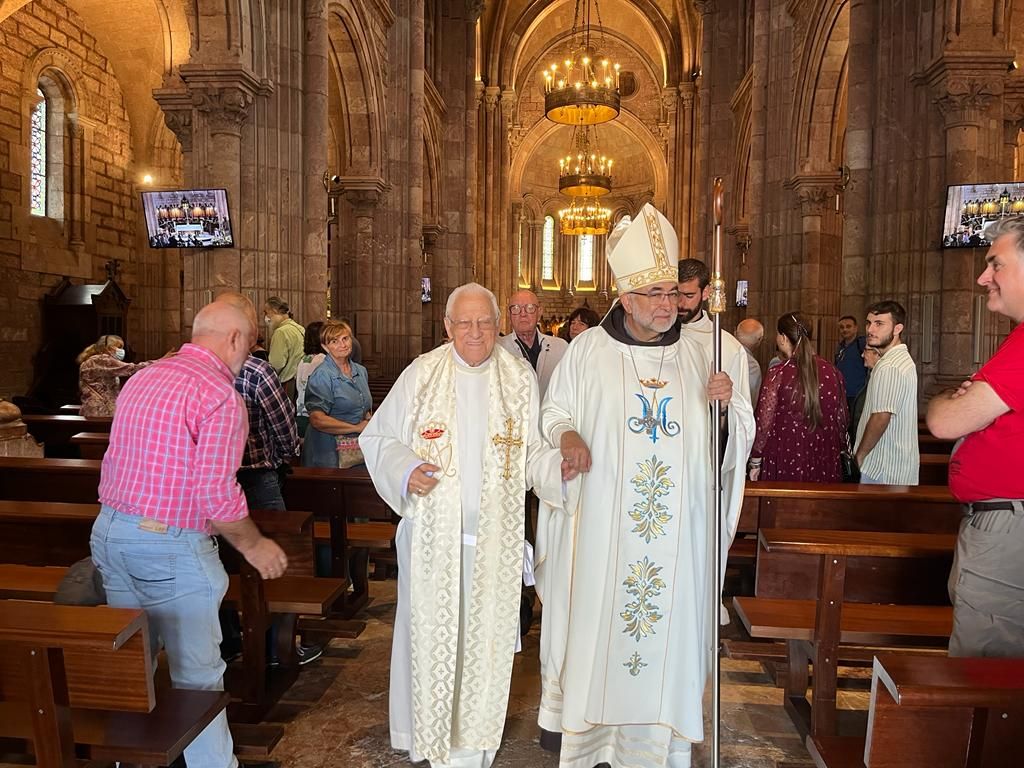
(432, 170)
(626, 121)
(356, 117)
(508, 36)
(64, 71)
(820, 100)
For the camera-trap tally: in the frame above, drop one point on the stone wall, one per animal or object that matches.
(96, 216)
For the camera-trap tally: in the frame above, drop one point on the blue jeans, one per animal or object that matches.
(262, 488)
(177, 578)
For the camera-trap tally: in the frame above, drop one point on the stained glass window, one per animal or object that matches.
(586, 258)
(547, 264)
(39, 156)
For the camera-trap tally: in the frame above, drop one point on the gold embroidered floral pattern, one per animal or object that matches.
(635, 664)
(644, 584)
(652, 482)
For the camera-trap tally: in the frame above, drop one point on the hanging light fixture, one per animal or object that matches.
(584, 216)
(585, 171)
(584, 88)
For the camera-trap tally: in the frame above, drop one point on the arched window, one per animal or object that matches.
(39, 164)
(548, 252)
(47, 132)
(585, 250)
(547, 263)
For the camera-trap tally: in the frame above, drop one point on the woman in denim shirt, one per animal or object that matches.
(337, 397)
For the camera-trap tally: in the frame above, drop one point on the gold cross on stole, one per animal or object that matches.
(509, 443)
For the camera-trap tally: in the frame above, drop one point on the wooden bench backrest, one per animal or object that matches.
(911, 509)
(107, 658)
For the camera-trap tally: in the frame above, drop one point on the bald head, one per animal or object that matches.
(240, 302)
(749, 333)
(225, 330)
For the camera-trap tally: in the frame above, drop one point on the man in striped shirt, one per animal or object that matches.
(886, 445)
(166, 486)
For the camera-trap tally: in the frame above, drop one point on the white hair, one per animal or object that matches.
(467, 289)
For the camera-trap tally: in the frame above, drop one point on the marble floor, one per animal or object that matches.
(336, 714)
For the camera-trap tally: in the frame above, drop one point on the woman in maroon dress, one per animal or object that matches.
(801, 413)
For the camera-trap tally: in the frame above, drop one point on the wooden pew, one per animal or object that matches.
(57, 534)
(80, 680)
(897, 508)
(71, 409)
(814, 630)
(934, 469)
(91, 445)
(929, 711)
(928, 443)
(55, 432)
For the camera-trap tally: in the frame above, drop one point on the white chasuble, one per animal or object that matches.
(624, 571)
(460, 546)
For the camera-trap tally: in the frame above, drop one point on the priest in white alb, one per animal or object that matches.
(624, 570)
(452, 449)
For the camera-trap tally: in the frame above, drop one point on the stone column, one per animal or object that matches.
(682, 169)
(434, 266)
(358, 270)
(410, 268)
(314, 148)
(488, 151)
(507, 280)
(968, 88)
(819, 256)
(758, 141)
(862, 84)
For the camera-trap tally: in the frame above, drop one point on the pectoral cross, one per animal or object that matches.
(509, 442)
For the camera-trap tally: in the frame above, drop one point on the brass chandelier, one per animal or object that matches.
(584, 89)
(584, 216)
(585, 172)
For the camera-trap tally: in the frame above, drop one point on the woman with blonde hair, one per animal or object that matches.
(337, 400)
(801, 412)
(101, 367)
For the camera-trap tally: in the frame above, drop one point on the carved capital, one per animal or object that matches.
(965, 101)
(669, 100)
(176, 104)
(815, 191)
(474, 9)
(704, 7)
(362, 192)
(491, 95)
(686, 93)
(431, 235)
(223, 96)
(516, 134)
(226, 109)
(508, 104)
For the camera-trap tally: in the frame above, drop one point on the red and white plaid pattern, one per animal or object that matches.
(176, 443)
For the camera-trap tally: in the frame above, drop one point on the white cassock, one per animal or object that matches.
(624, 570)
(460, 548)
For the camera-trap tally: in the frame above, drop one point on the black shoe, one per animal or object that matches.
(308, 653)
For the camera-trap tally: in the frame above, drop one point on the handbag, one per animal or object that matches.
(848, 463)
(349, 452)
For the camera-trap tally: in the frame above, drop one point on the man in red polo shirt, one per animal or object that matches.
(166, 486)
(987, 581)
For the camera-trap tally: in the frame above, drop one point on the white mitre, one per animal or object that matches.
(643, 251)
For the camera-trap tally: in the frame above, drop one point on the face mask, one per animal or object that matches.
(119, 353)
(267, 320)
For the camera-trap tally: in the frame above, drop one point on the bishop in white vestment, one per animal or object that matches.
(452, 449)
(624, 570)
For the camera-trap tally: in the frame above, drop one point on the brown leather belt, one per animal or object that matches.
(991, 506)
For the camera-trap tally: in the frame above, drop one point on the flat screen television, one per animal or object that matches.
(742, 291)
(425, 290)
(188, 218)
(970, 208)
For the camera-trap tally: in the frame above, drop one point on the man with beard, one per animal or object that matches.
(624, 569)
(886, 445)
(694, 322)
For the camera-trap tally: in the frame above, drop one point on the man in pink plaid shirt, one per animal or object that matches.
(167, 484)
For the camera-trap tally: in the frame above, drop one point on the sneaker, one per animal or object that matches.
(308, 653)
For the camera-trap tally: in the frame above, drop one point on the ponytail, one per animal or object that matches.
(795, 328)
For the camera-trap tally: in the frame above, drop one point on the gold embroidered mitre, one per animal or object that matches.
(643, 251)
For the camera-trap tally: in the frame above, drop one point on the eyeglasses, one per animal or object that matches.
(518, 309)
(659, 297)
(485, 324)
